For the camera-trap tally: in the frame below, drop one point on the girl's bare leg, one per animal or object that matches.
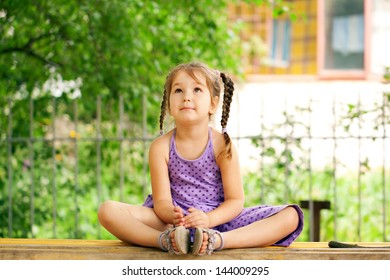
(261, 233)
(264, 232)
(131, 223)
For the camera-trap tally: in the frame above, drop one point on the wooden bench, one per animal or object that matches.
(65, 249)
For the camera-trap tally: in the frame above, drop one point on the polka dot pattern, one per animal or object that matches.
(197, 183)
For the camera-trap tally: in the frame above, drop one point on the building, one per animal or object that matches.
(328, 39)
(316, 98)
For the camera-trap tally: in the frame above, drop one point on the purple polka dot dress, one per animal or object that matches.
(197, 183)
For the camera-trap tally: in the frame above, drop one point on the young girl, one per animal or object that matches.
(198, 197)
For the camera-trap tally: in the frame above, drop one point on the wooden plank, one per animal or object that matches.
(76, 242)
(56, 249)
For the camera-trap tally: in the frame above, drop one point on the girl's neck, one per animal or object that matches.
(192, 133)
(191, 141)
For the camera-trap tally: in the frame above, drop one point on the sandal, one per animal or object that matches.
(198, 241)
(182, 240)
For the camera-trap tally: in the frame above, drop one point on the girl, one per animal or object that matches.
(197, 192)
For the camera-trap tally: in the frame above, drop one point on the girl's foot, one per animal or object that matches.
(206, 241)
(175, 240)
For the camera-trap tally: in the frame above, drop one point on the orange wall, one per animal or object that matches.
(258, 24)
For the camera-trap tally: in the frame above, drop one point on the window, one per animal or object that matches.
(342, 38)
(280, 44)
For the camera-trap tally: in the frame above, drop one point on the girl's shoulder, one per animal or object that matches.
(161, 144)
(217, 136)
(219, 146)
(218, 141)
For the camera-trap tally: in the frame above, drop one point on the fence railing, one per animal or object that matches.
(58, 164)
(330, 142)
(62, 139)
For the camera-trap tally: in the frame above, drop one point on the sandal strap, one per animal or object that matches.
(211, 240)
(166, 236)
(222, 241)
(160, 243)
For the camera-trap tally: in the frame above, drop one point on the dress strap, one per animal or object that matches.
(210, 133)
(173, 143)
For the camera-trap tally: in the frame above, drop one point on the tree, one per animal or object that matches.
(120, 47)
(102, 48)
(114, 47)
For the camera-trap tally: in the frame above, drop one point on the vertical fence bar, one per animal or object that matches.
(359, 112)
(334, 173)
(262, 182)
(311, 204)
(144, 135)
(98, 153)
(76, 168)
(120, 136)
(9, 167)
(384, 198)
(287, 163)
(31, 158)
(54, 166)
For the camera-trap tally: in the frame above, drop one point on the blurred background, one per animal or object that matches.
(81, 84)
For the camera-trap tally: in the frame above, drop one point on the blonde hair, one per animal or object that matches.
(213, 84)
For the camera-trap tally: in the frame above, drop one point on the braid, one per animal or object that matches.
(227, 100)
(163, 110)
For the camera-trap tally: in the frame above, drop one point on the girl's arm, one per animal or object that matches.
(233, 191)
(162, 199)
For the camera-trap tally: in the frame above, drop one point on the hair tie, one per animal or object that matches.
(161, 132)
(224, 130)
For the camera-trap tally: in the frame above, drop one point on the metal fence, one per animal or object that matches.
(49, 167)
(338, 130)
(54, 138)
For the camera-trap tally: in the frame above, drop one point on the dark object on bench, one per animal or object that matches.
(336, 244)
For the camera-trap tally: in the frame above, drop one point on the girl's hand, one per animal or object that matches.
(196, 218)
(178, 216)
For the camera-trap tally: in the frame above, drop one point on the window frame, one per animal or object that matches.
(343, 74)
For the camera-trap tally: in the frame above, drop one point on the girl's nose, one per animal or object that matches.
(186, 97)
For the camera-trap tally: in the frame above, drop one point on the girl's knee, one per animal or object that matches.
(292, 217)
(105, 211)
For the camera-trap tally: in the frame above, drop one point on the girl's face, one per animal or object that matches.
(190, 99)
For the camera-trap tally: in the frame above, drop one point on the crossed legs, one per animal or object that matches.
(140, 225)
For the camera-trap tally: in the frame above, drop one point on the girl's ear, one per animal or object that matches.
(214, 105)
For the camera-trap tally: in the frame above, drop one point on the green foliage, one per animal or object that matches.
(343, 220)
(357, 197)
(114, 48)
(55, 187)
(99, 48)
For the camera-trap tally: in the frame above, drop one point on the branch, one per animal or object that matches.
(31, 53)
(27, 49)
(44, 60)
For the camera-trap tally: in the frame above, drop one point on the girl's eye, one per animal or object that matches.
(178, 90)
(197, 90)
